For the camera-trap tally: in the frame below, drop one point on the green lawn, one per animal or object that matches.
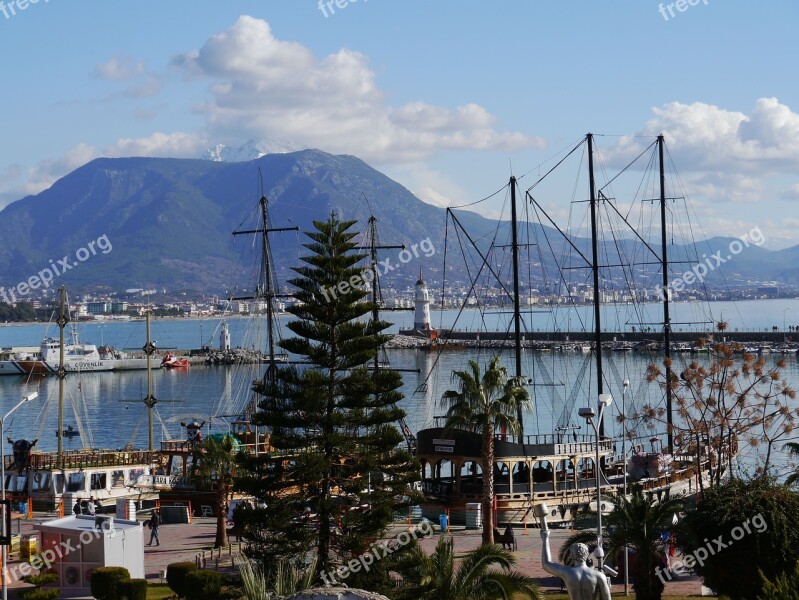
(159, 591)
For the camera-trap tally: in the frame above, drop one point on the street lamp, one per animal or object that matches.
(783, 324)
(588, 414)
(27, 398)
(625, 385)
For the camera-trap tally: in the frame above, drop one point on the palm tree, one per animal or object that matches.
(793, 450)
(483, 404)
(638, 523)
(214, 468)
(483, 574)
(286, 579)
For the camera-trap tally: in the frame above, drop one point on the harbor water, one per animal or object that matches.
(108, 411)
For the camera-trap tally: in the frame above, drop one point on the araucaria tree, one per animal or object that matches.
(337, 475)
(484, 404)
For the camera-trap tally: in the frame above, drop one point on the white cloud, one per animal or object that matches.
(119, 68)
(263, 87)
(165, 145)
(792, 193)
(705, 137)
(124, 69)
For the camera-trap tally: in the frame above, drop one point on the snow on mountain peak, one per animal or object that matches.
(251, 150)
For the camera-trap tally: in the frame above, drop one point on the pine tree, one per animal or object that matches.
(336, 476)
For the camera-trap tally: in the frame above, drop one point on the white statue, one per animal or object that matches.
(582, 582)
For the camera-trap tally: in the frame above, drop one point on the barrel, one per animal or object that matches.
(473, 516)
(27, 548)
(126, 509)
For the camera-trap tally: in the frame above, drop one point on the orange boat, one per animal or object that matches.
(172, 362)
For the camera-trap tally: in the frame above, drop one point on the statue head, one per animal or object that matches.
(22, 452)
(579, 553)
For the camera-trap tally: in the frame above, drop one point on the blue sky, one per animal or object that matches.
(442, 96)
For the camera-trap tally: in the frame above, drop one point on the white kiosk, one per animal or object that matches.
(78, 544)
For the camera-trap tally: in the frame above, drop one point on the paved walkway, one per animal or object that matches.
(184, 542)
(528, 557)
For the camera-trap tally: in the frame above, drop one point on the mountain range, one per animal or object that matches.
(169, 223)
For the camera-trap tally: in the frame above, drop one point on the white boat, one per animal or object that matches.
(78, 358)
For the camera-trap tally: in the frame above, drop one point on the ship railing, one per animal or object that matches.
(562, 444)
(183, 446)
(80, 459)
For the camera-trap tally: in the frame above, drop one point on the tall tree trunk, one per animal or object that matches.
(488, 486)
(221, 520)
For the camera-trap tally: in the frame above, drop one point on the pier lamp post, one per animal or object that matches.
(625, 385)
(784, 338)
(27, 398)
(588, 414)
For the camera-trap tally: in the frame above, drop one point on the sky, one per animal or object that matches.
(447, 98)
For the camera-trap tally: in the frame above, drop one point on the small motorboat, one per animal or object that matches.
(172, 362)
(69, 432)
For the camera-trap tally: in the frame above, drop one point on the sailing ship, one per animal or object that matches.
(59, 479)
(176, 456)
(559, 469)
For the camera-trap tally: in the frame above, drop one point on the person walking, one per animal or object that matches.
(90, 507)
(76, 508)
(155, 521)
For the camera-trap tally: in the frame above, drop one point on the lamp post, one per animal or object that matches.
(625, 385)
(588, 413)
(784, 339)
(27, 398)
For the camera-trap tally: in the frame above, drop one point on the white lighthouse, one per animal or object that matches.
(421, 318)
(224, 337)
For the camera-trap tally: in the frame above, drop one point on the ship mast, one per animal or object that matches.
(517, 337)
(595, 270)
(264, 289)
(410, 438)
(666, 318)
(63, 319)
(149, 401)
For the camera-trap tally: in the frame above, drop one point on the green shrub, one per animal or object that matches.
(40, 595)
(763, 514)
(784, 587)
(203, 585)
(106, 582)
(133, 589)
(40, 580)
(176, 574)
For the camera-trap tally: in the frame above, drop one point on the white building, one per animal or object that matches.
(421, 318)
(82, 543)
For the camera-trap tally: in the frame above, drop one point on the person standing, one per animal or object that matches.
(155, 521)
(76, 508)
(90, 507)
